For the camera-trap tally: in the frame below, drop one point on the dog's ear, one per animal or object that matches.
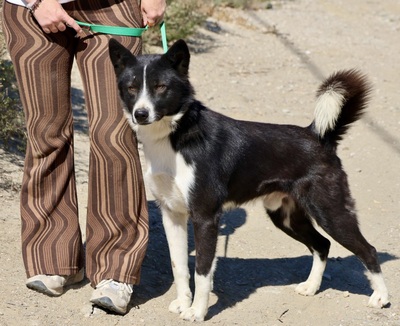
(179, 57)
(120, 56)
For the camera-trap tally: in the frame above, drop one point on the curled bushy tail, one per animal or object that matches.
(341, 100)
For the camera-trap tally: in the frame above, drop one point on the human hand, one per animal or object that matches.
(153, 11)
(52, 17)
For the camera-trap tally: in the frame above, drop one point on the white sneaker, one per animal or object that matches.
(112, 295)
(53, 285)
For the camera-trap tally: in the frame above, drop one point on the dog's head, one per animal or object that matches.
(152, 87)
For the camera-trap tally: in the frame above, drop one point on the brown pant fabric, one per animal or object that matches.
(117, 217)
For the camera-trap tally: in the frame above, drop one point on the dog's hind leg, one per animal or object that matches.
(291, 219)
(175, 225)
(333, 209)
(206, 235)
(347, 233)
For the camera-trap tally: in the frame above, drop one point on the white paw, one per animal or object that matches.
(192, 314)
(378, 299)
(307, 288)
(179, 305)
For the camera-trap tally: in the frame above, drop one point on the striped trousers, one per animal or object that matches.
(117, 216)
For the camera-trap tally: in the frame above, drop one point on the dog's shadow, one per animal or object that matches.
(236, 279)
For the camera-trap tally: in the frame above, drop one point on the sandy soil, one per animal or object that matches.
(260, 65)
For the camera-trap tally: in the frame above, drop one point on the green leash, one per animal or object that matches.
(126, 31)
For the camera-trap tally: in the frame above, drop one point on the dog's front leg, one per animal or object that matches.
(206, 234)
(175, 225)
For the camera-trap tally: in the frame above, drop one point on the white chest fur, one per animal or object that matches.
(168, 175)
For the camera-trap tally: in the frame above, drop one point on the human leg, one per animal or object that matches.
(51, 238)
(117, 220)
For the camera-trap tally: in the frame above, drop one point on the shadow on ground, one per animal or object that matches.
(237, 278)
(79, 111)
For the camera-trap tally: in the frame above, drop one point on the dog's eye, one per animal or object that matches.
(133, 89)
(160, 88)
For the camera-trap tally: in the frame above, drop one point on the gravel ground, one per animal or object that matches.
(262, 65)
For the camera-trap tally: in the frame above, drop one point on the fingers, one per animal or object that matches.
(52, 17)
(70, 22)
(152, 21)
(61, 27)
(55, 28)
(153, 11)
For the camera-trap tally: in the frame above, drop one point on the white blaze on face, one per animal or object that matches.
(144, 101)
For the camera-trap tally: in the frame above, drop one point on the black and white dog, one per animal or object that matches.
(200, 161)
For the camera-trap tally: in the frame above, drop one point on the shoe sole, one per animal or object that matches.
(39, 286)
(106, 303)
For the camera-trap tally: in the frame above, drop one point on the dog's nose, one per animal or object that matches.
(141, 115)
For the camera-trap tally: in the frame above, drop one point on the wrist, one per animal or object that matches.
(33, 5)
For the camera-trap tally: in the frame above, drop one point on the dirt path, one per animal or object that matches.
(262, 65)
